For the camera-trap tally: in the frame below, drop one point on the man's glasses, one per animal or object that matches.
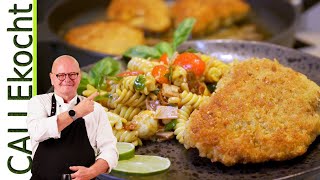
(62, 76)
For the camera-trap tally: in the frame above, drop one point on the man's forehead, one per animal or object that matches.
(65, 62)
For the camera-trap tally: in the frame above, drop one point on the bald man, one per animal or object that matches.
(69, 134)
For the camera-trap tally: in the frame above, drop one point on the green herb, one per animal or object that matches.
(139, 83)
(180, 35)
(142, 52)
(85, 79)
(96, 76)
(105, 67)
(165, 48)
(170, 125)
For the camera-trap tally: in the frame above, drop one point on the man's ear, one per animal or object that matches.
(51, 76)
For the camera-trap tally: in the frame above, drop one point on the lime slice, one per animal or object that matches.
(143, 165)
(126, 150)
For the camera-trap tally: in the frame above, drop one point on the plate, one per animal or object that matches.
(187, 164)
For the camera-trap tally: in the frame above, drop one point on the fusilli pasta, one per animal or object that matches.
(126, 112)
(188, 98)
(141, 64)
(184, 113)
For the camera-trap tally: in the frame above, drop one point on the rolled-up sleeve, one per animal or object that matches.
(40, 126)
(106, 141)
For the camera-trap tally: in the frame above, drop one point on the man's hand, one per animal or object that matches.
(82, 173)
(83, 108)
(86, 106)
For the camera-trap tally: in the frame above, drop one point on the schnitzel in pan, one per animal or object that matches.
(261, 111)
(210, 14)
(151, 15)
(105, 37)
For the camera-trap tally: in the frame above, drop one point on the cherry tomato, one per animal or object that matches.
(164, 58)
(190, 62)
(130, 73)
(160, 73)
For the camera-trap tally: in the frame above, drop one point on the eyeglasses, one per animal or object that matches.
(62, 76)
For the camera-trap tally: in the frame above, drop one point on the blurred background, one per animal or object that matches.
(66, 26)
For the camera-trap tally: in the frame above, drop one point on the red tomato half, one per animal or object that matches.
(164, 58)
(160, 73)
(190, 62)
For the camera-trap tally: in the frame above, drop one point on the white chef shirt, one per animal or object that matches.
(41, 127)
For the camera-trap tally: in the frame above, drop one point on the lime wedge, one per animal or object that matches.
(143, 165)
(126, 150)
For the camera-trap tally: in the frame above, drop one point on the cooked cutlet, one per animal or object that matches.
(210, 14)
(151, 15)
(261, 111)
(105, 37)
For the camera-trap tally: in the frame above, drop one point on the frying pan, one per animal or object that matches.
(278, 17)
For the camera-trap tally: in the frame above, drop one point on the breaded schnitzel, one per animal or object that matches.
(105, 37)
(210, 14)
(151, 15)
(261, 111)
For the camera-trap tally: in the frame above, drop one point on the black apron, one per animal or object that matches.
(53, 157)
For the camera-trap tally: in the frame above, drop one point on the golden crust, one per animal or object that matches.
(152, 15)
(261, 111)
(210, 14)
(105, 37)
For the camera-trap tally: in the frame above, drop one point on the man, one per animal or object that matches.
(70, 134)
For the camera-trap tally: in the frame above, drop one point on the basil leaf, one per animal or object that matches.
(85, 79)
(142, 52)
(139, 83)
(164, 47)
(100, 83)
(105, 67)
(182, 33)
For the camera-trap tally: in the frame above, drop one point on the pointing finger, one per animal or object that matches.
(74, 168)
(73, 176)
(92, 96)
